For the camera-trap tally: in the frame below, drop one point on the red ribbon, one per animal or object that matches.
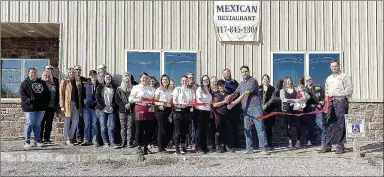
(326, 105)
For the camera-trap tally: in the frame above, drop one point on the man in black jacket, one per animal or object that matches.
(35, 97)
(316, 102)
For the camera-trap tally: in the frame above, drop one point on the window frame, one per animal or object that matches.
(162, 59)
(306, 58)
(18, 100)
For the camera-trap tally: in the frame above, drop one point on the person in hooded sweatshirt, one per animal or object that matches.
(35, 97)
(89, 112)
(126, 110)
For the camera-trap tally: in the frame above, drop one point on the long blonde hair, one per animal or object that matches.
(124, 86)
(69, 71)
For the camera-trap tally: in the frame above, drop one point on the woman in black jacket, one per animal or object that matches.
(126, 112)
(266, 92)
(52, 108)
(105, 99)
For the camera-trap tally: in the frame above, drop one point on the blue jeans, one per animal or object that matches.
(107, 126)
(250, 116)
(90, 118)
(33, 122)
(319, 122)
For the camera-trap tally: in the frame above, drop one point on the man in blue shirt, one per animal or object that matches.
(251, 106)
(235, 113)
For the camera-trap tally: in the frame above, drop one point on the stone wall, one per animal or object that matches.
(373, 117)
(31, 48)
(12, 124)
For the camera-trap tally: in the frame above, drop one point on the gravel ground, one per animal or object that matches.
(167, 166)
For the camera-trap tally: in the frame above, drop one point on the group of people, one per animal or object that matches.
(157, 113)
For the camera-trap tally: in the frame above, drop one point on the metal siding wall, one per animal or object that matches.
(380, 48)
(5, 7)
(91, 35)
(99, 32)
(119, 39)
(82, 36)
(355, 49)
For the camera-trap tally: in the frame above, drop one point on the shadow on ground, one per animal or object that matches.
(373, 148)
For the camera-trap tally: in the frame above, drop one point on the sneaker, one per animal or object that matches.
(339, 151)
(40, 144)
(309, 143)
(69, 143)
(34, 144)
(325, 150)
(48, 142)
(131, 146)
(193, 146)
(96, 144)
(265, 152)
(27, 145)
(255, 151)
(123, 145)
(247, 151)
(106, 145)
(115, 147)
(85, 144)
(298, 145)
(290, 144)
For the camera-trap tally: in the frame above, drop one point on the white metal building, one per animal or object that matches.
(102, 32)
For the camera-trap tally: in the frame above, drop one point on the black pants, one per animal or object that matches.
(144, 130)
(181, 121)
(155, 129)
(221, 136)
(202, 131)
(268, 124)
(212, 131)
(46, 124)
(289, 119)
(127, 130)
(163, 126)
(234, 121)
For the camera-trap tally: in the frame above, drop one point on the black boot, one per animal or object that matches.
(139, 150)
(178, 150)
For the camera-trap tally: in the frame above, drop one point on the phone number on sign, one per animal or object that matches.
(236, 29)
